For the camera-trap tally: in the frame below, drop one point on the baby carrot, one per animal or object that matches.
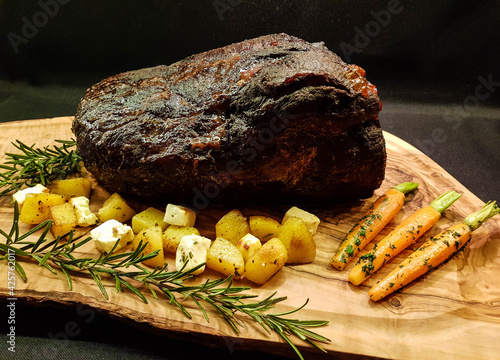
(434, 252)
(374, 220)
(406, 233)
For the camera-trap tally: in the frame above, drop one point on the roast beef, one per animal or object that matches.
(271, 119)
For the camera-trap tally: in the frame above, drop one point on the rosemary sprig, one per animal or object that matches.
(38, 165)
(126, 270)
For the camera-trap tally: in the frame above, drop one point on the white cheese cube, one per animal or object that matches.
(192, 250)
(107, 234)
(84, 216)
(20, 195)
(311, 220)
(248, 245)
(179, 215)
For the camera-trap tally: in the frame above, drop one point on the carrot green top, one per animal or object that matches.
(406, 187)
(475, 220)
(444, 201)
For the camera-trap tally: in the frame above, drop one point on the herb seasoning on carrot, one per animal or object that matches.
(374, 220)
(432, 253)
(405, 234)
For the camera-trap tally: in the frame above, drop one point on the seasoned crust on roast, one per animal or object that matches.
(270, 119)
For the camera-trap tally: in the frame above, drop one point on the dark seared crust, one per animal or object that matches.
(269, 119)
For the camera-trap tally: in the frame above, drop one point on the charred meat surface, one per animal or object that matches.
(271, 119)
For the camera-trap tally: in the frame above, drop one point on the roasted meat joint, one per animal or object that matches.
(271, 119)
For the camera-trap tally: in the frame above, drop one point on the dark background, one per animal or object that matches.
(435, 63)
(430, 51)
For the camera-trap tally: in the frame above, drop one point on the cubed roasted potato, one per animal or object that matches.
(63, 219)
(36, 207)
(179, 215)
(225, 258)
(73, 187)
(153, 237)
(20, 196)
(311, 220)
(232, 226)
(266, 261)
(298, 241)
(115, 207)
(264, 227)
(248, 245)
(173, 235)
(148, 218)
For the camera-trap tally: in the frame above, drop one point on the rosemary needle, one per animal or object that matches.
(42, 166)
(225, 298)
(38, 165)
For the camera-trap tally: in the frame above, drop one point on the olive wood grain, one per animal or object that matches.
(451, 313)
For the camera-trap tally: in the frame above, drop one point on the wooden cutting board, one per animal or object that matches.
(451, 313)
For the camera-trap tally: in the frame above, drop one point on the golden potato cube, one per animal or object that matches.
(36, 207)
(151, 236)
(148, 218)
(232, 226)
(63, 219)
(173, 235)
(266, 262)
(264, 227)
(248, 245)
(20, 195)
(73, 187)
(115, 207)
(298, 241)
(311, 220)
(225, 258)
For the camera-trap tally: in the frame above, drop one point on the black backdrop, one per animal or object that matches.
(426, 50)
